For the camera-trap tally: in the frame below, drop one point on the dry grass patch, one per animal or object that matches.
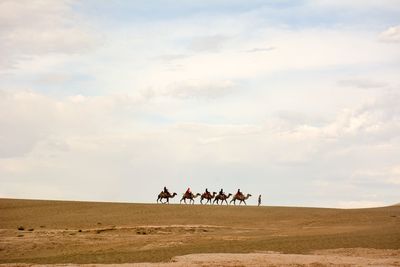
(87, 232)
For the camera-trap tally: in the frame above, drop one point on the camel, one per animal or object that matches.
(240, 197)
(207, 196)
(222, 197)
(189, 196)
(166, 196)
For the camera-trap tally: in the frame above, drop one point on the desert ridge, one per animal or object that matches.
(95, 232)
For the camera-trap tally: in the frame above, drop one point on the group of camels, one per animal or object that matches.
(205, 196)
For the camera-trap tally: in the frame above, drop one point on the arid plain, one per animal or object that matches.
(69, 233)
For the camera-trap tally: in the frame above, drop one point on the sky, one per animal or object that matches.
(298, 101)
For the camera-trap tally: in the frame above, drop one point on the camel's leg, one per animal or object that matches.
(244, 202)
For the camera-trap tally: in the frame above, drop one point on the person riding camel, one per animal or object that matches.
(207, 193)
(188, 192)
(221, 192)
(239, 193)
(166, 190)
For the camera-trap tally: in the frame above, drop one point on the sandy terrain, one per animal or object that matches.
(180, 235)
(338, 257)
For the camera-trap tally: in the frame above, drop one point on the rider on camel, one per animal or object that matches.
(166, 190)
(207, 193)
(188, 192)
(239, 193)
(221, 192)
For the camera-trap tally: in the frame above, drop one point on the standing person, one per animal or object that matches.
(259, 200)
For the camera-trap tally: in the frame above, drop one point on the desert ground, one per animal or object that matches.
(69, 233)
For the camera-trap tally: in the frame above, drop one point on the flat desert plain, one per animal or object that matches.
(69, 233)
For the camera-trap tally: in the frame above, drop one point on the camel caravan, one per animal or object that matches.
(206, 198)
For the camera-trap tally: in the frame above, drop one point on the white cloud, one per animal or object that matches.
(54, 78)
(21, 128)
(295, 51)
(389, 175)
(213, 43)
(86, 140)
(258, 50)
(362, 83)
(233, 100)
(392, 35)
(358, 204)
(40, 28)
(357, 4)
(200, 89)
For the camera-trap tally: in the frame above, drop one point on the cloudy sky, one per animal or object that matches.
(111, 100)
